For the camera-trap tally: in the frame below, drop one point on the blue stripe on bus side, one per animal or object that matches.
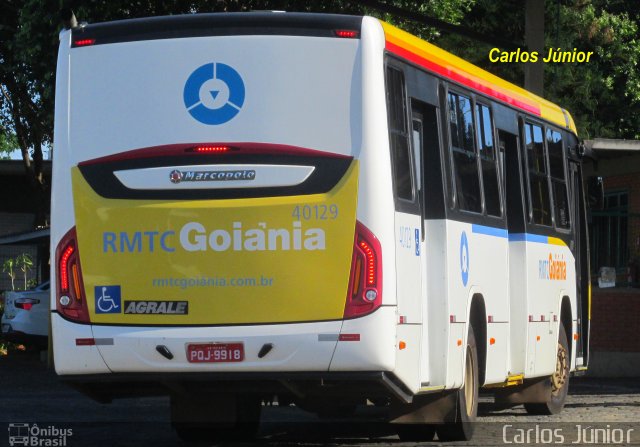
(489, 231)
(526, 237)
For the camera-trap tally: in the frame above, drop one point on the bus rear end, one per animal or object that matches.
(205, 215)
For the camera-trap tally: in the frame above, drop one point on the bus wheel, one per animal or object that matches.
(415, 432)
(467, 411)
(559, 381)
(191, 428)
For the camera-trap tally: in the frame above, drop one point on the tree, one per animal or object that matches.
(9, 268)
(25, 264)
(27, 55)
(8, 143)
(603, 95)
(28, 48)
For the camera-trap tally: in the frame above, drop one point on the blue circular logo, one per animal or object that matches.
(214, 93)
(464, 258)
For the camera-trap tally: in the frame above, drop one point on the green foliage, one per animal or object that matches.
(22, 263)
(603, 95)
(8, 143)
(9, 267)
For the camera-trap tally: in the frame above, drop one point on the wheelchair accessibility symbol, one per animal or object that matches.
(107, 299)
(214, 93)
(464, 258)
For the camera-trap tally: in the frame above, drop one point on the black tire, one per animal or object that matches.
(467, 408)
(559, 381)
(416, 432)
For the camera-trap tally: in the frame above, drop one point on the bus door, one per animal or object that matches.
(417, 139)
(512, 177)
(582, 265)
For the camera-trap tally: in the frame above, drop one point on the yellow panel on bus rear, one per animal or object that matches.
(216, 262)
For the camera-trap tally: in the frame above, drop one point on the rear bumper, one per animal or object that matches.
(297, 385)
(297, 347)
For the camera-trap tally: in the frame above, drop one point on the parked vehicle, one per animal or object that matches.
(26, 316)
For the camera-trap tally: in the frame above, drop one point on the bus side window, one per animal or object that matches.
(429, 168)
(513, 186)
(558, 178)
(399, 135)
(539, 199)
(417, 138)
(488, 160)
(465, 165)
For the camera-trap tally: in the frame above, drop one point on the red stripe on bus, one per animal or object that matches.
(452, 75)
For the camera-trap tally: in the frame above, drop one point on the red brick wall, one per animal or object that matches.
(615, 320)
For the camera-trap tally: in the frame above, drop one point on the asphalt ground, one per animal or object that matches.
(602, 410)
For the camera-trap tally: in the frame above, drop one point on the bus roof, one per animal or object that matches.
(462, 72)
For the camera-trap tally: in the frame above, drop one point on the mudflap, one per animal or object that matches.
(532, 391)
(426, 409)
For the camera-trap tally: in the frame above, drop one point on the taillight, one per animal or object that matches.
(365, 283)
(25, 303)
(70, 299)
(83, 42)
(346, 33)
(211, 149)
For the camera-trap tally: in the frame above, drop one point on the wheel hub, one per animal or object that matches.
(559, 377)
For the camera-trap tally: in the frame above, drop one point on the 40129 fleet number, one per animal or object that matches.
(315, 212)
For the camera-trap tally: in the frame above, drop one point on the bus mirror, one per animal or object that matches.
(595, 189)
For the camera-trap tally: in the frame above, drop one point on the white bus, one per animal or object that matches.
(323, 209)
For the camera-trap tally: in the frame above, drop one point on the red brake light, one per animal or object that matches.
(84, 42)
(25, 303)
(64, 266)
(365, 283)
(346, 33)
(70, 299)
(212, 149)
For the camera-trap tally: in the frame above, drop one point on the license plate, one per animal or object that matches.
(215, 352)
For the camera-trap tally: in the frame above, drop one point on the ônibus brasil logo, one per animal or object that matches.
(214, 93)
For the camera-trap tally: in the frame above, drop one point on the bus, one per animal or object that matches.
(319, 210)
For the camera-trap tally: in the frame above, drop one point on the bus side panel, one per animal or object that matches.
(437, 300)
(550, 267)
(368, 344)
(477, 267)
(375, 207)
(409, 287)
(518, 330)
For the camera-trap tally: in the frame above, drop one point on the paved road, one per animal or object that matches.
(32, 394)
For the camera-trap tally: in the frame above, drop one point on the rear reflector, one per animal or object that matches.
(365, 283)
(85, 341)
(349, 337)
